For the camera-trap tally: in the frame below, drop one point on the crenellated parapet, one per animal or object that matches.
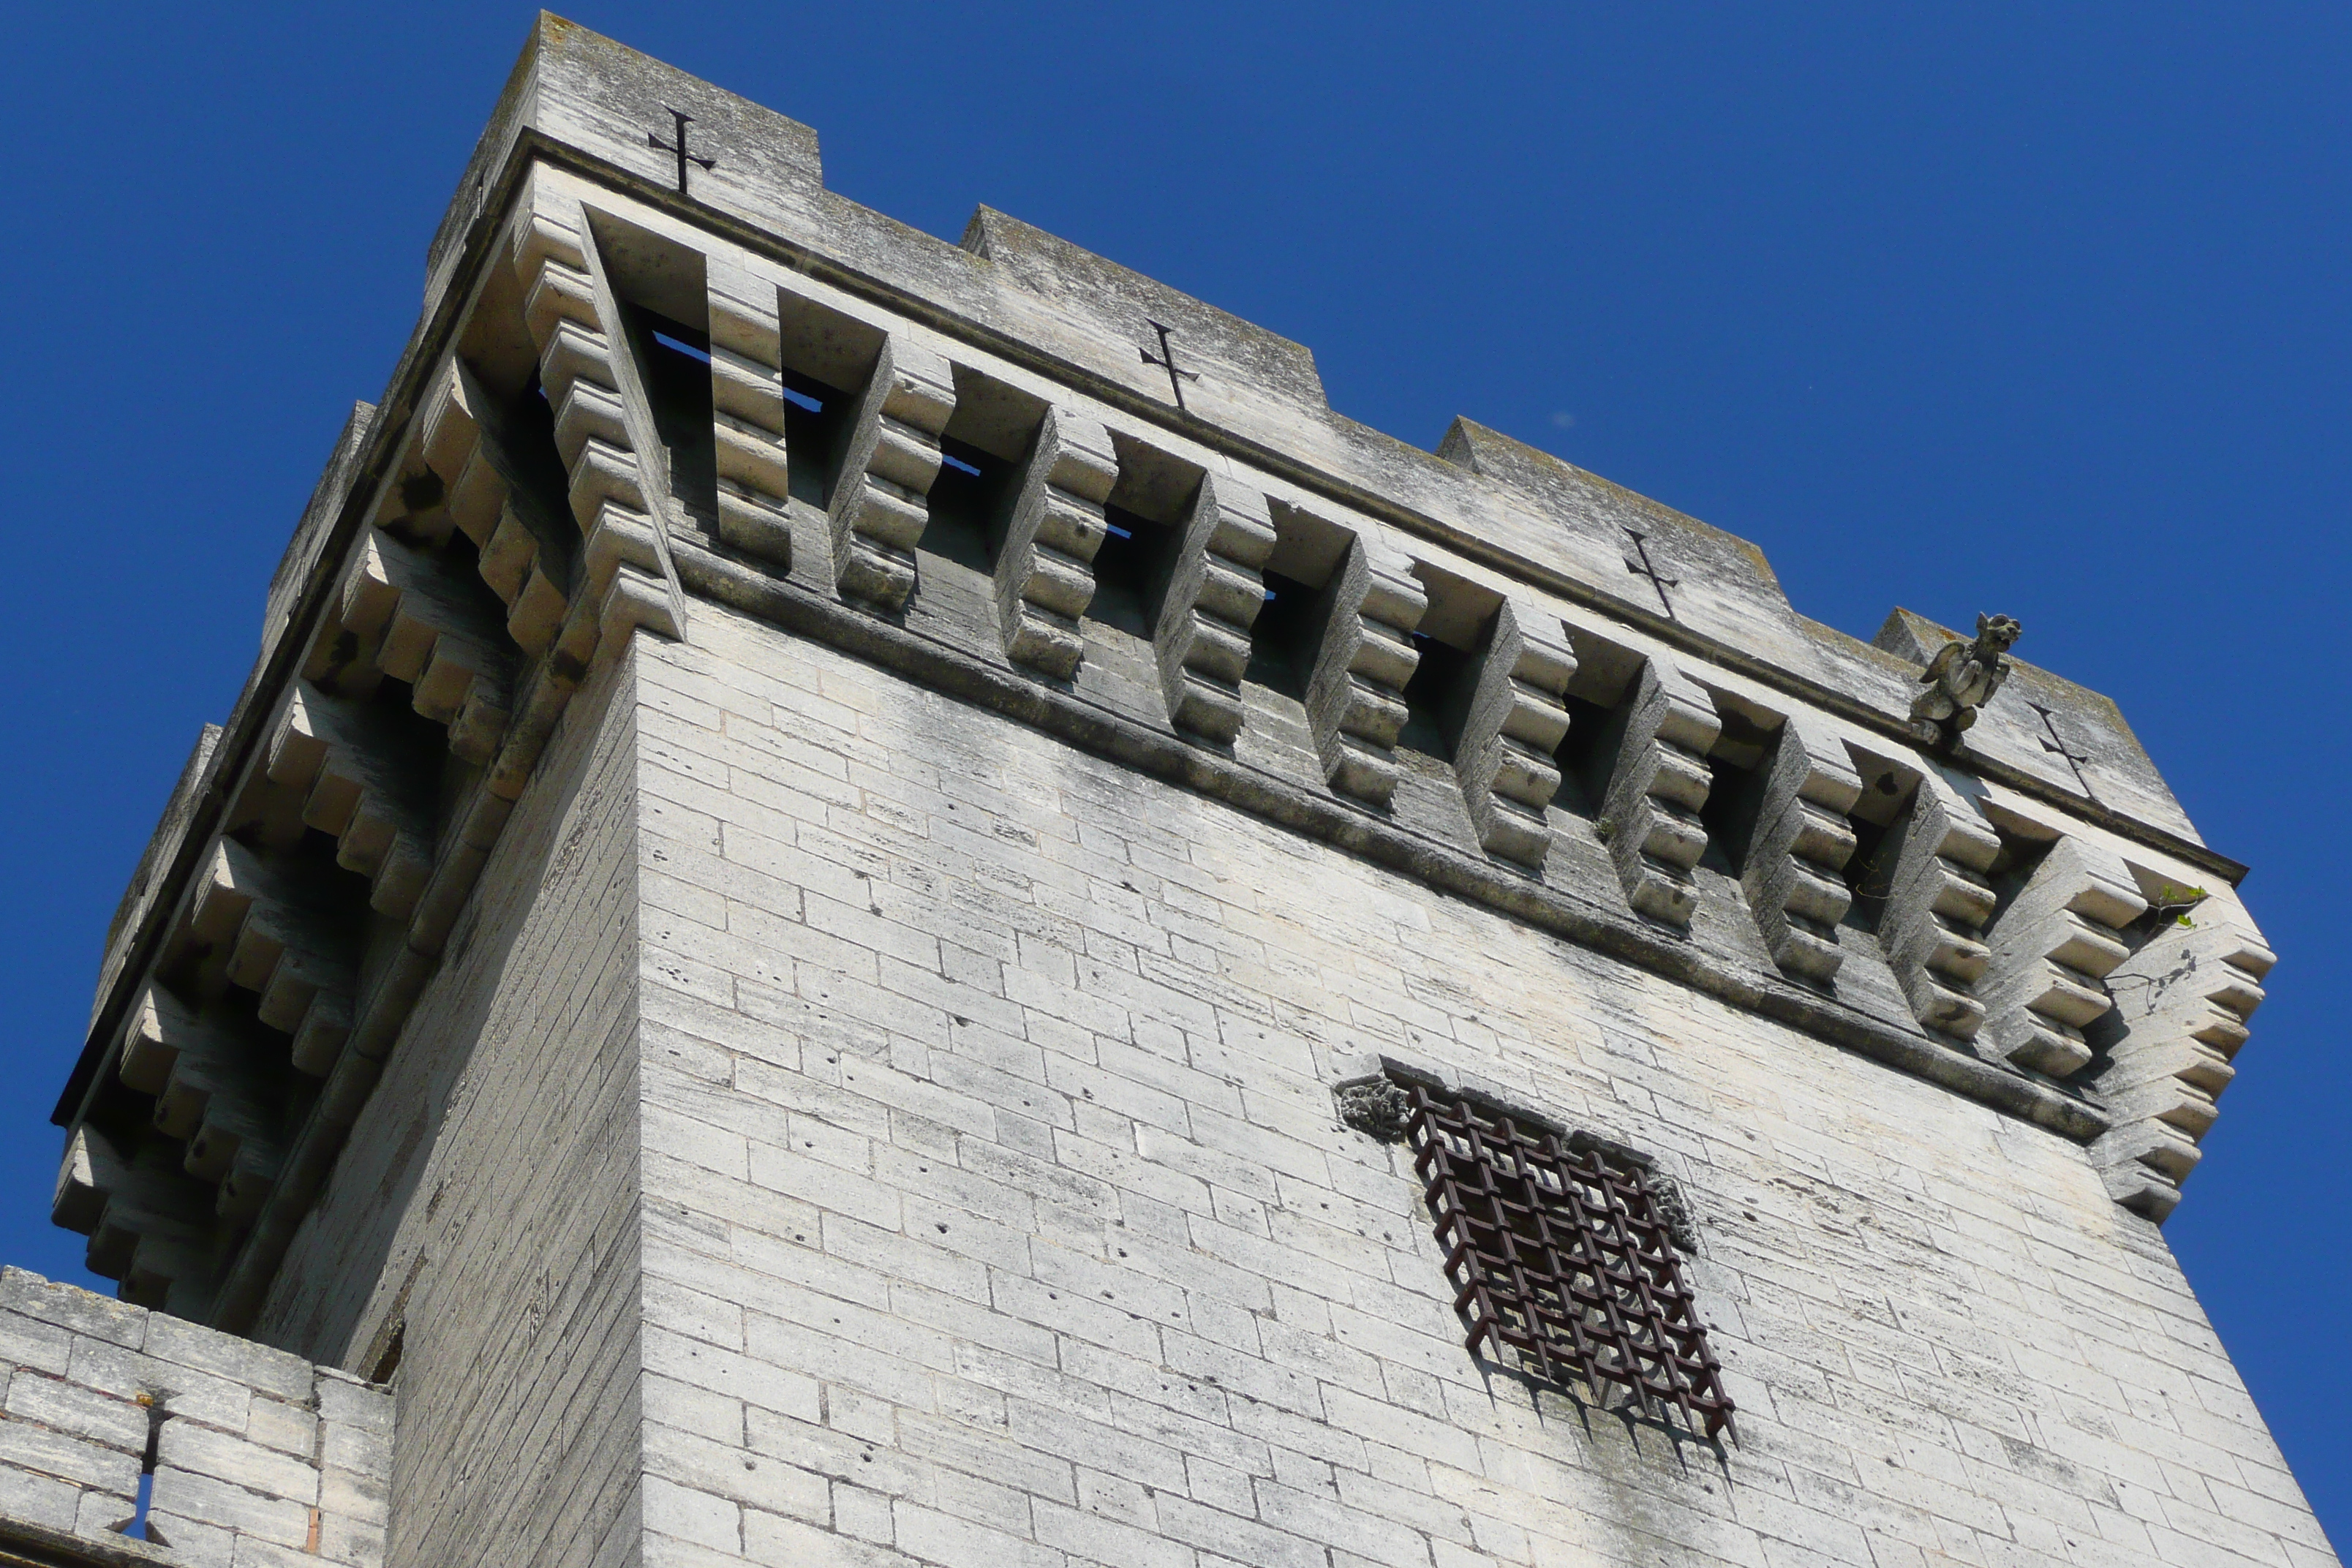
(1479, 666)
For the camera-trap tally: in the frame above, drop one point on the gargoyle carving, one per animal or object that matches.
(1961, 678)
(1376, 1107)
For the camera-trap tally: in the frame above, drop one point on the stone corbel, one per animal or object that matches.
(1053, 526)
(405, 613)
(271, 929)
(2053, 947)
(1355, 697)
(1793, 875)
(881, 498)
(1515, 721)
(92, 1168)
(747, 400)
(213, 1101)
(604, 428)
(359, 783)
(523, 551)
(450, 442)
(209, 1074)
(1650, 775)
(149, 1224)
(1216, 587)
(2181, 1009)
(1936, 905)
(209, 1071)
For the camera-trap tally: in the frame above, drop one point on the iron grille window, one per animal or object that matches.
(1565, 1256)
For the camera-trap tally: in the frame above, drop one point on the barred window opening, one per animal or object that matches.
(1564, 1259)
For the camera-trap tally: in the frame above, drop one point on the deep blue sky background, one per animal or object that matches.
(2035, 309)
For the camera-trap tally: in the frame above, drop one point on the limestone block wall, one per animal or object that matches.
(997, 1211)
(258, 1457)
(487, 1223)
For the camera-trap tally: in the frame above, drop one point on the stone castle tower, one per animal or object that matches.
(887, 903)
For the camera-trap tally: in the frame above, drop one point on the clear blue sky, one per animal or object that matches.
(2033, 310)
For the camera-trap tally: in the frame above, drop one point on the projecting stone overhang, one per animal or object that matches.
(1480, 667)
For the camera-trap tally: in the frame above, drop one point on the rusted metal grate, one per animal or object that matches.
(1566, 1257)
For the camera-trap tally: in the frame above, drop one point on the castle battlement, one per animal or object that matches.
(726, 539)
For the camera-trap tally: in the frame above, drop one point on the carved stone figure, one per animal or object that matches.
(1961, 678)
(1376, 1107)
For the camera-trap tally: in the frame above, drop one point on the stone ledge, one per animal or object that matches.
(1106, 734)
